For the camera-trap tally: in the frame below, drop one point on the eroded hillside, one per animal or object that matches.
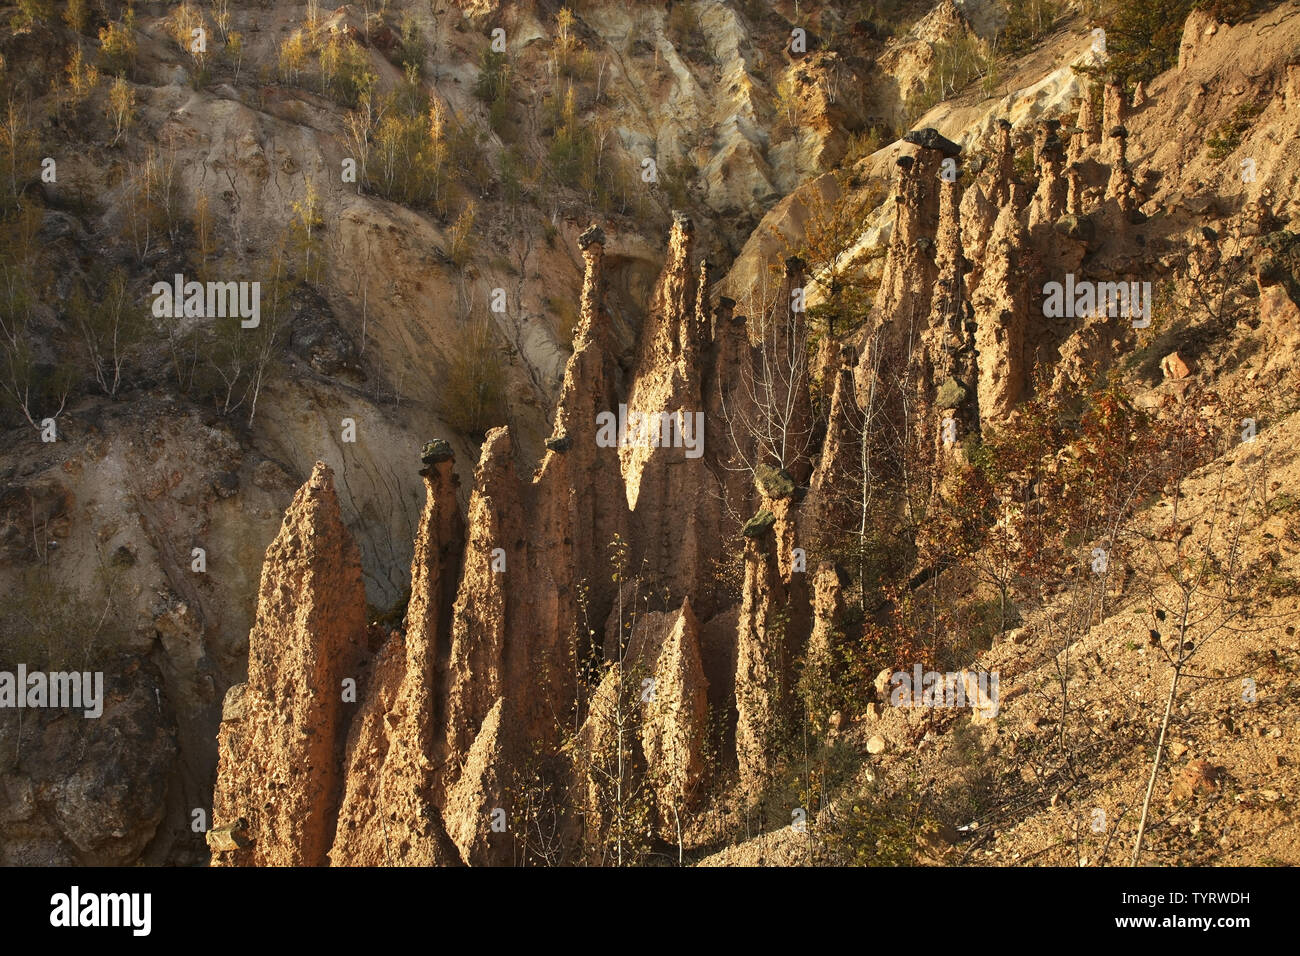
(540, 637)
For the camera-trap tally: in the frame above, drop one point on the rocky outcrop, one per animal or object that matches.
(1050, 198)
(1003, 166)
(906, 285)
(579, 503)
(729, 404)
(534, 585)
(1119, 188)
(280, 767)
(820, 662)
(836, 483)
(1001, 305)
(1074, 191)
(951, 354)
(1088, 126)
(772, 628)
(477, 809)
(644, 736)
(496, 660)
(523, 667)
(72, 791)
(389, 814)
(787, 401)
(1277, 275)
(1198, 30)
(920, 303)
(494, 548)
(977, 215)
(674, 720)
(1114, 110)
(663, 467)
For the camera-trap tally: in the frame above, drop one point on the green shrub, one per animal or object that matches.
(31, 12)
(474, 394)
(493, 81)
(117, 47)
(878, 827)
(1028, 21)
(410, 157)
(413, 49)
(570, 58)
(345, 70)
(572, 146)
(1227, 136)
(1143, 37)
(955, 64)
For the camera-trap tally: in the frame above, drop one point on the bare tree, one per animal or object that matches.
(1197, 591)
(110, 330)
(772, 423)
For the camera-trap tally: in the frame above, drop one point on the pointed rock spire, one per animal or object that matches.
(279, 765)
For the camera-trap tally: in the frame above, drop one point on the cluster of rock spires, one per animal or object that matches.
(971, 248)
(351, 745)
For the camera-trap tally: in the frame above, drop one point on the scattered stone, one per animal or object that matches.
(774, 483)
(759, 525)
(876, 745)
(225, 484)
(1175, 366)
(232, 707)
(935, 840)
(436, 451)
(951, 394)
(269, 476)
(1198, 777)
(1079, 228)
(929, 138)
(233, 836)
